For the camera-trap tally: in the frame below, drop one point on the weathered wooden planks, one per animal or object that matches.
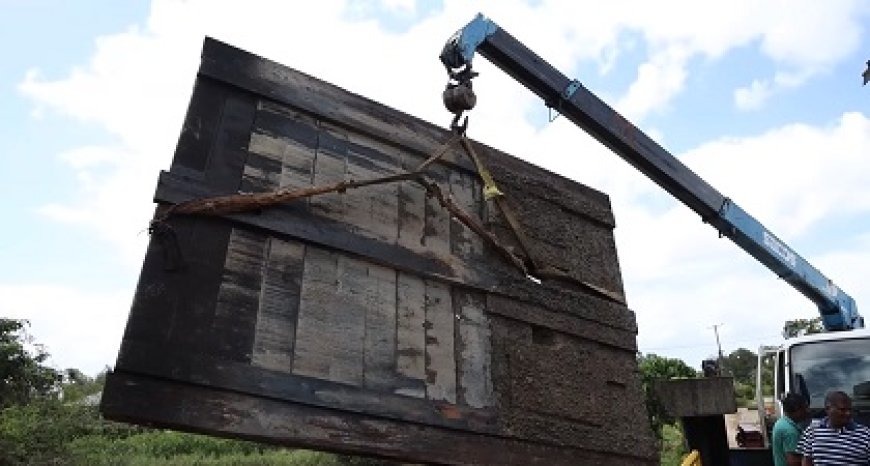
(440, 329)
(238, 297)
(331, 328)
(280, 291)
(347, 321)
(411, 334)
(371, 321)
(184, 406)
(474, 351)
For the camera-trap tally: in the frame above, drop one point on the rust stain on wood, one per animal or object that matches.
(449, 411)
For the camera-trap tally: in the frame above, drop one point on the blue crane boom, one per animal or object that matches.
(571, 99)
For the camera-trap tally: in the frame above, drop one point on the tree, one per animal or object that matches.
(77, 386)
(742, 364)
(38, 432)
(800, 327)
(653, 367)
(23, 373)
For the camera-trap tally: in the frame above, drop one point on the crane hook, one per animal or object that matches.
(459, 97)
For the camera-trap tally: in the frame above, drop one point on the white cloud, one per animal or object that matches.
(752, 97)
(793, 176)
(811, 34)
(81, 158)
(137, 83)
(403, 6)
(802, 38)
(794, 180)
(113, 200)
(758, 92)
(80, 328)
(657, 82)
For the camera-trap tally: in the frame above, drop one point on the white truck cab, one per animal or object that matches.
(813, 365)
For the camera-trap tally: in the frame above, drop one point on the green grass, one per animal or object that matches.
(168, 448)
(673, 447)
(266, 458)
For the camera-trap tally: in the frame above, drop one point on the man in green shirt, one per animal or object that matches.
(787, 430)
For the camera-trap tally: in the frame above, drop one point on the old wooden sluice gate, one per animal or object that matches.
(373, 321)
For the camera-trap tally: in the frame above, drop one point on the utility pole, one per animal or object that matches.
(718, 345)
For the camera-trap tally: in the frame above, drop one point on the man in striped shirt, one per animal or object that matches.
(837, 440)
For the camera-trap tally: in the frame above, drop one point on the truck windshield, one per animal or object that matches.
(819, 367)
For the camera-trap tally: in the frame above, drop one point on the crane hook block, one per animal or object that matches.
(459, 97)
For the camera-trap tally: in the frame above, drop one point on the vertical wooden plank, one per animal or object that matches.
(263, 167)
(473, 350)
(440, 358)
(297, 162)
(436, 233)
(412, 208)
(374, 209)
(355, 294)
(230, 146)
(238, 296)
(465, 190)
(200, 124)
(411, 334)
(310, 356)
(287, 139)
(279, 305)
(331, 324)
(330, 166)
(379, 360)
(350, 318)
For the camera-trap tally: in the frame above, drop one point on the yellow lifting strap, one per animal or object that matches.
(530, 264)
(692, 459)
(490, 190)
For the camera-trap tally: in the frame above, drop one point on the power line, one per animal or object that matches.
(704, 345)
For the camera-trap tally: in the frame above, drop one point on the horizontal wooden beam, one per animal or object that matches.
(205, 371)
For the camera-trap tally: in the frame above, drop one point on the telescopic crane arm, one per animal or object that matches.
(571, 99)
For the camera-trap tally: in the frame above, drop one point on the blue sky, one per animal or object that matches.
(53, 37)
(762, 99)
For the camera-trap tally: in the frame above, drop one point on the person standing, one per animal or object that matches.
(787, 431)
(837, 439)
